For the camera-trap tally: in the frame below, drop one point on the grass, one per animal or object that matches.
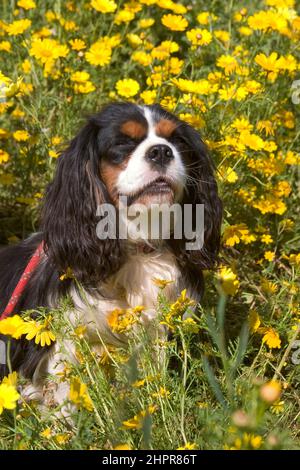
(205, 387)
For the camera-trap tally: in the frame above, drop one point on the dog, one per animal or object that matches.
(149, 156)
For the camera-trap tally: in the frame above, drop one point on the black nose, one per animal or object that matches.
(160, 155)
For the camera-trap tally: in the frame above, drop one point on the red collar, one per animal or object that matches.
(23, 281)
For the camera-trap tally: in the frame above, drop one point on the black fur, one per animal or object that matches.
(69, 221)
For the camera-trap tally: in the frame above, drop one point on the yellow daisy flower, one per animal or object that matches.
(174, 22)
(127, 87)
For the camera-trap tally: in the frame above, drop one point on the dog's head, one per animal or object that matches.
(143, 153)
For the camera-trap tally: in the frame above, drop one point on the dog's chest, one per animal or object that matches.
(139, 275)
(134, 285)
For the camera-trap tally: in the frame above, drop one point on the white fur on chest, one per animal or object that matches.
(133, 285)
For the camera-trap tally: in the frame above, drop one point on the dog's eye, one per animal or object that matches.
(177, 139)
(120, 150)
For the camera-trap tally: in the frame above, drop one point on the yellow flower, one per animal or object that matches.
(18, 27)
(269, 63)
(254, 441)
(271, 338)
(202, 86)
(228, 63)
(137, 421)
(79, 394)
(26, 66)
(124, 16)
(202, 405)
(189, 325)
(253, 141)
(67, 275)
(266, 126)
(242, 124)
(173, 317)
(245, 31)
(4, 134)
(62, 438)
(264, 20)
(39, 331)
(199, 37)
(8, 88)
(127, 87)
(164, 50)
(234, 234)
(203, 18)
(161, 283)
(21, 136)
(228, 174)
(227, 93)
(11, 326)
(229, 281)
(266, 238)
(80, 76)
(270, 392)
(174, 22)
(294, 258)
(26, 4)
(8, 397)
(47, 433)
(80, 331)
(142, 58)
(98, 55)
(123, 447)
(149, 96)
(188, 446)
(122, 320)
(252, 86)
(56, 140)
(254, 321)
(195, 121)
(11, 379)
(53, 154)
(146, 23)
(4, 156)
(288, 63)
(77, 44)
(163, 393)
(104, 6)
(269, 255)
(47, 51)
(277, 407)
(134, 40)
(5, 46)
(291, 158)
(175, 7)
(223, 36)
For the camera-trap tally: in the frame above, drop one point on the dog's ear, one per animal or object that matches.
(69, 217)
(201, 188)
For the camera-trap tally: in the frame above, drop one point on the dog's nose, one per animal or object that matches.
(160, 155)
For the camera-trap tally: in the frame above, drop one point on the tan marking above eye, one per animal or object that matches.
(165, 127)
(134, 129)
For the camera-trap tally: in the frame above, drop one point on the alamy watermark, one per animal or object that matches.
(296, 353)
(295, 92)
(2, 352)
(155, 222)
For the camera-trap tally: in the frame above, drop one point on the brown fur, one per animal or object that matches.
(165, 127)
(134, 129)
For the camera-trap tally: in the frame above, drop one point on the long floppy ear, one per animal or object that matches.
(69, 217)
(201, 188)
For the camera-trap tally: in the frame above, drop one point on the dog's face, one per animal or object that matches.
(142, 156)
(143, 153)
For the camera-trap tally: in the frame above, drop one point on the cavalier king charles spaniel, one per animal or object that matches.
(148, 155)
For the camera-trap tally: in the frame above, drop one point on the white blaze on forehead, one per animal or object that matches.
(139, 172)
